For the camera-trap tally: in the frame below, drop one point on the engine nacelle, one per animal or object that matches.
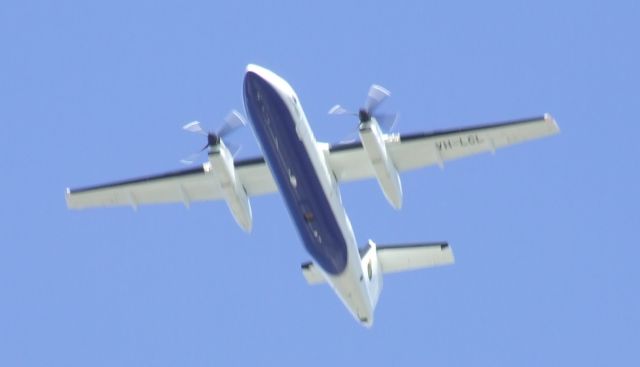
(222, 167)
(386, 172)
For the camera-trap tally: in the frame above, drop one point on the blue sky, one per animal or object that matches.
(544, 233)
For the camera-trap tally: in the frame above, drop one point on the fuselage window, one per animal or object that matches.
(369, 270)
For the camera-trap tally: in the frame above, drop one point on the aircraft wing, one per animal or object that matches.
(347, 161)
(411, 151)
(184, 186)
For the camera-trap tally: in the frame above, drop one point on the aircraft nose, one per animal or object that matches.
(254, 82)
(256, 74)
(256, 69)
(260, 85)
(257, 89)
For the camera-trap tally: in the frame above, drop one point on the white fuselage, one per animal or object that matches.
(264, 92)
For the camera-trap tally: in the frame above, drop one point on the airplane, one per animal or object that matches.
(307, 173)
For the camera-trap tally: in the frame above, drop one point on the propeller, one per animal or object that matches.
(377, 94)
(231, 124)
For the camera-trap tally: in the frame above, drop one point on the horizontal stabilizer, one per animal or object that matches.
(397, 258)
(312, 273)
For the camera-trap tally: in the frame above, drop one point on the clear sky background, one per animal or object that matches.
(545, 233)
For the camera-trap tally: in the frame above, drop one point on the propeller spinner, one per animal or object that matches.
(232, 123)
(377, 94)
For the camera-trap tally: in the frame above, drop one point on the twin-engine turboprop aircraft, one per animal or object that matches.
(307, 174)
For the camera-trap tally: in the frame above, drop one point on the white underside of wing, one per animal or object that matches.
(350, 162)
(180, 187)
(436, 148)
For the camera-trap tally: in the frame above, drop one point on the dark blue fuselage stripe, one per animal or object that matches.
(287, 157)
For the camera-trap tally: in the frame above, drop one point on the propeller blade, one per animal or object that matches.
(232, 122)
(234, 149)
(376, 96)
(387, 120)
(190, 159)
(352, 137)
(339, 110)
(194, 127)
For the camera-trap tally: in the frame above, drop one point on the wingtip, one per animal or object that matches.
(67, 197)
(552, 122)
